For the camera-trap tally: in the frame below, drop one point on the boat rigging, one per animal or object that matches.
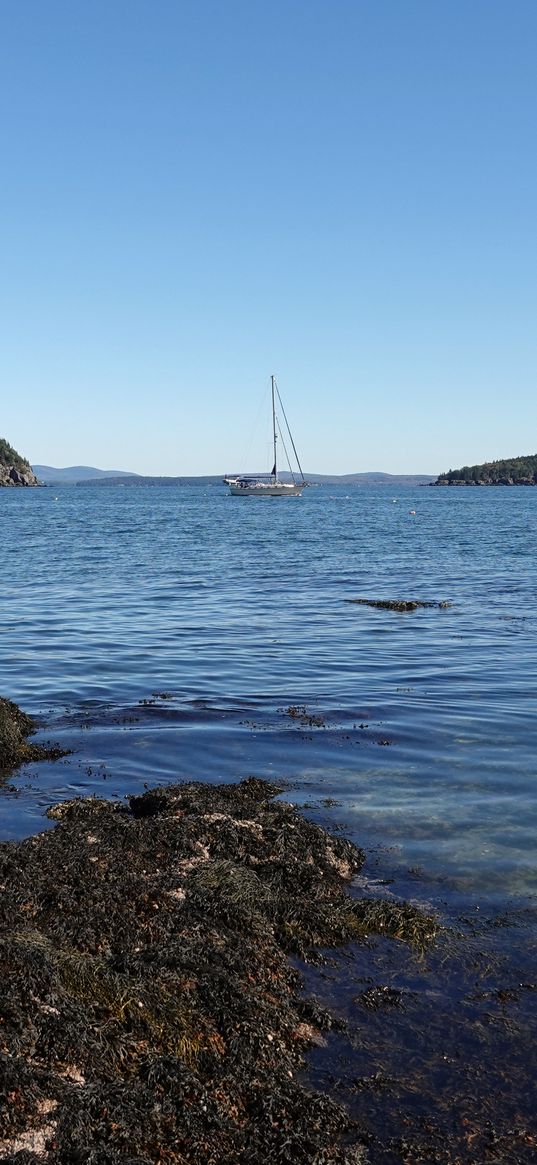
(270, 484)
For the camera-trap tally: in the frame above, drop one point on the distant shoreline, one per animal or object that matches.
(458, 483)
(381, 481)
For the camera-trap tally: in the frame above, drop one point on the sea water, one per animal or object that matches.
(236, 609)
(170, 633)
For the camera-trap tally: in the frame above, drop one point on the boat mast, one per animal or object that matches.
(274, 472)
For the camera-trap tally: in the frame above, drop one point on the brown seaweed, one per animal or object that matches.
(150, 1012)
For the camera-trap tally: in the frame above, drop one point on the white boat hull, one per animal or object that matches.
(266, 489)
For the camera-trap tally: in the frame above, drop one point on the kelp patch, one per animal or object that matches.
(150, 1012)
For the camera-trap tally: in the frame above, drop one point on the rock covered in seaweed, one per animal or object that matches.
(152, 1013)
(15, 728)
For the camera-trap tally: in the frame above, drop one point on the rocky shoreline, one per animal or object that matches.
(17, 475)
(200, 975)
(152, 1013)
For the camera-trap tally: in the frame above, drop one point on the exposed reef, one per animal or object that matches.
(150, 1012)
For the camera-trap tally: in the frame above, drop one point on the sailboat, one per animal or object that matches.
(269, 485)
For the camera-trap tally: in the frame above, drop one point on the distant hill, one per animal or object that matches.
(315, 479)
(511, 471)
(88, 475)
(137, 479)
(391, 479)
(350, 479)
(74, 473)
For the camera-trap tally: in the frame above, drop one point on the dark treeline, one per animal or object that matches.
(513, 471)
(9, 456)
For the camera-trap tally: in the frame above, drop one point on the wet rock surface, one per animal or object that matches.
(152, 1013)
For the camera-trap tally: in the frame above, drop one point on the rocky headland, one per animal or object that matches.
(14, 469)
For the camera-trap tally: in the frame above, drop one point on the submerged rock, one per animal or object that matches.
(150, 1012)
(397, 604)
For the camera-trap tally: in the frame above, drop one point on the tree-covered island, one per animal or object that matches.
(14, 469)
(513, 471)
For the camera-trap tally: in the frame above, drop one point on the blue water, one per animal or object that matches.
(235, 609)
(177, 632)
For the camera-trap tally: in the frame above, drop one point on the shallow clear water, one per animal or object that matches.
(235, 608)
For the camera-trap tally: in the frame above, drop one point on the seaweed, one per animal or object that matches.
(15, 727)
(307, 719)
(150, 1011)
(397, 920)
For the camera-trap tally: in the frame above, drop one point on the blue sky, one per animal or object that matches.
(198, 193)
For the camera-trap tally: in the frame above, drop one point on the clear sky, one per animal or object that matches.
(198, 193)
